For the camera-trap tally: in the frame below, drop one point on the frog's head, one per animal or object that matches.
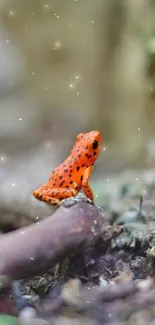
(89, 144)
(94, 143)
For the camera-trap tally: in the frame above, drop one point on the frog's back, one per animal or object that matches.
(67, 174)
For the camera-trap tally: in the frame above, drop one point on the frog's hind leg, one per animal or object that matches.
(43, 197)
(54, 196)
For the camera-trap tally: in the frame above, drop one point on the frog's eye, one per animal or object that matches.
(95, 144)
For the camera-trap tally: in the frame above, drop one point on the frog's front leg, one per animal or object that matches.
(54, 196)
(86, 187)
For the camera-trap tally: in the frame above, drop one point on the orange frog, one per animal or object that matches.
(73, 174)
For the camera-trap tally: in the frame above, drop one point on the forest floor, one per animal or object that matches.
(109, 284)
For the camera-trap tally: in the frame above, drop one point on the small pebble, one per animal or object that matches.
(145, 285)
(27, 313)
(70, 291)
(102, 282)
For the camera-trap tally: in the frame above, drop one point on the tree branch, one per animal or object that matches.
(34, 249)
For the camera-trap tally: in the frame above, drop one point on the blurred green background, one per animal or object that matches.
(68, 67)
